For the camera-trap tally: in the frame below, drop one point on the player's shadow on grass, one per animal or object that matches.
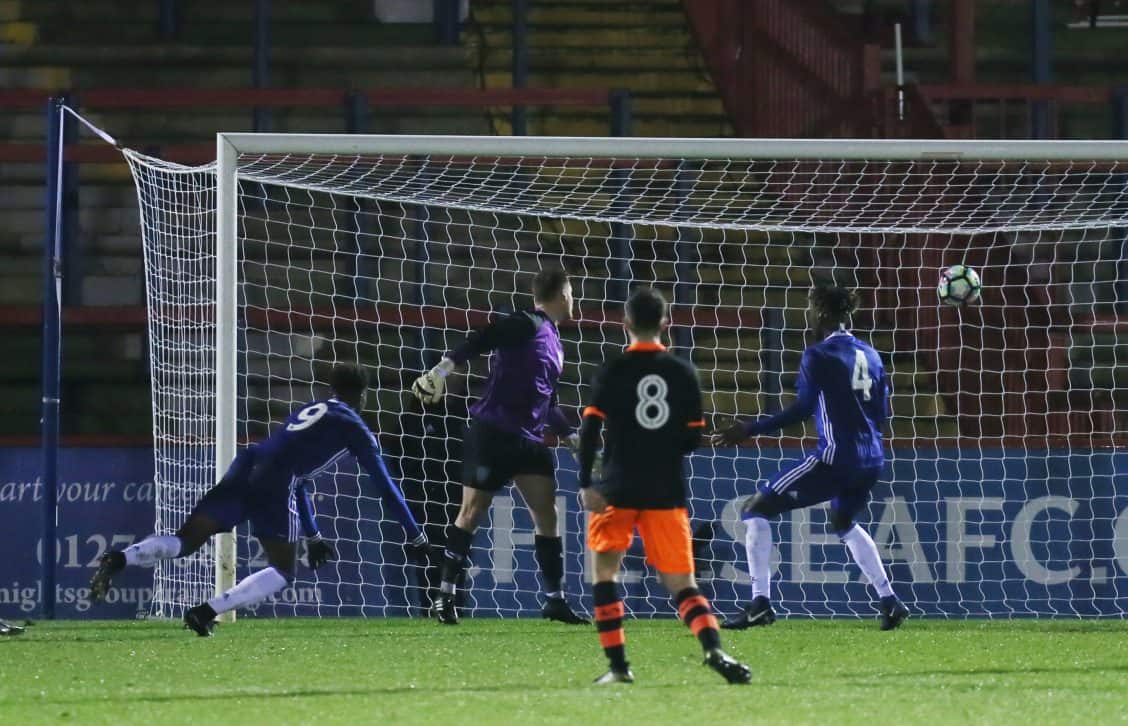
(519, 688)
(883, 678)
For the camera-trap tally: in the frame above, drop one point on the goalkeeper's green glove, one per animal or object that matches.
(430, 387)
(318, 552)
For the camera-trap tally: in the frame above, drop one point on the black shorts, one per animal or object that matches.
(491, 457)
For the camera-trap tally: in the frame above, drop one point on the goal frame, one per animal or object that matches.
(230, 145)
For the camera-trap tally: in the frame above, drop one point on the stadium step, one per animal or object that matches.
(155, 55)
(89, 355)
(585, 14)
(645, 48)
(18, 33)
(281, 77)
(206, 32)
(49, 77)
(217, 11)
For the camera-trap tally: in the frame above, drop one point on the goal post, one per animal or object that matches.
(1003, 495)
(227, 287)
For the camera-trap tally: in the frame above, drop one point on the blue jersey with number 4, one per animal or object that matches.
(842, 382)
(313, 438)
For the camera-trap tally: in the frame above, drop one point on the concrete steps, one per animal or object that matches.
(645, 48)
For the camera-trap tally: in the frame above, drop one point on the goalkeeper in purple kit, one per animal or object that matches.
(505, 440)
(266, 485)
(842, 382)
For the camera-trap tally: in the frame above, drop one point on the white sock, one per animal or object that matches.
(251, 589)
(864, 552)
(152, 549)
(758, 546)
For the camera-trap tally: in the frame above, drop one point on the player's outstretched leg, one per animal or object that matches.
(190, 537)
(146, 552)
(252, 589)
(609, 613)
(864, 552)
(698, 616)
(7, 628)
(758, 547)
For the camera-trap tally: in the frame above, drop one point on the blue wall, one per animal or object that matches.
(968, 532)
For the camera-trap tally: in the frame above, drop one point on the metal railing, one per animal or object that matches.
(1016, 111)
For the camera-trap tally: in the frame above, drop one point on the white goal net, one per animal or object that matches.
(1004, 492)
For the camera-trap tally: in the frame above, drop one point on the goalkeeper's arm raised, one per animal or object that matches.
(506, 332)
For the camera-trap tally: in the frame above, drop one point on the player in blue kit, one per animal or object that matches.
(842, 382)
(505, 439)
(265, 485)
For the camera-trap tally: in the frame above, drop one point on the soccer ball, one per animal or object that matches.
(959, 285)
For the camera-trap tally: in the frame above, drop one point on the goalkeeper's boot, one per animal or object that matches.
(444, 610)
(110, 564)
(730, 668)
(757, 614)
(555, 608)
(893, 612)
(200, 619)
(615, 676)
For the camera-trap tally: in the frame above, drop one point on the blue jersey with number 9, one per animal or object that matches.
(312, 439)
(842, 382)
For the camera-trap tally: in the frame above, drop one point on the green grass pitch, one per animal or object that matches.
(531, 672)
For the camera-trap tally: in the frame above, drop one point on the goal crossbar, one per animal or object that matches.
(674, 148)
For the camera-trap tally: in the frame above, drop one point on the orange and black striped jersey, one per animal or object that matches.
(649, 404)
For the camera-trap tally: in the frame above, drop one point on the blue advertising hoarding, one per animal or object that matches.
(965, 533)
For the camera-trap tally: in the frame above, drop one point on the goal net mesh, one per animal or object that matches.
(1004, 490)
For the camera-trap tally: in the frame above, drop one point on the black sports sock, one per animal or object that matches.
(550, 558)
(609, 613)
(698, 617)
(457, 550)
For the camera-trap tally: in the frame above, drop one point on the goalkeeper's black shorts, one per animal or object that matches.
(491, 457)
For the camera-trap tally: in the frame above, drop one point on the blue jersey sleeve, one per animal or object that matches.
(803, 407)
(362, 444)
(305, 511)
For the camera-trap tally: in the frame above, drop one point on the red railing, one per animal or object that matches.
(787, 68)
(1004, 111)
(354, 104)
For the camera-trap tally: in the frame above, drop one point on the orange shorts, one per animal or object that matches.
(664, 532)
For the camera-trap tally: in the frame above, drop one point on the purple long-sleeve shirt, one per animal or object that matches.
(525, 366)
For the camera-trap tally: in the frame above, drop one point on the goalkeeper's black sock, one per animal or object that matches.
(550, 557)
(454, 560)
(609, 613)
(695, 612)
